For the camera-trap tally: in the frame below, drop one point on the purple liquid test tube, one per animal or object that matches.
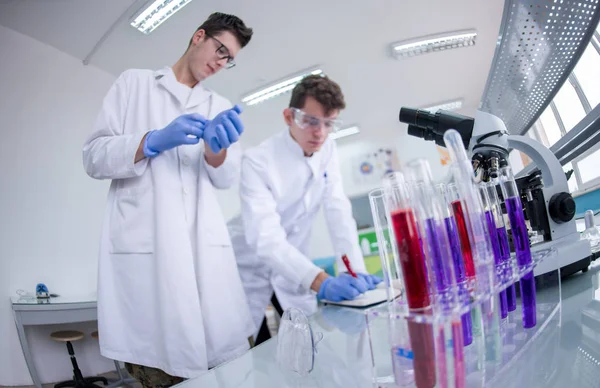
(511, 293)
(507, 274)
(461, 278)
(514, 209)
(497, 260)
(457, 262)
(430, 212)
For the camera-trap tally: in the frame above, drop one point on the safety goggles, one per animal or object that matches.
(223, 53)
(306, 121)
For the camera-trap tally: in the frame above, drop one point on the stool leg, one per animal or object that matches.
(77, 376)
(119, 371)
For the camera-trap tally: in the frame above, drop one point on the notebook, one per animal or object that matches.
(369, 298)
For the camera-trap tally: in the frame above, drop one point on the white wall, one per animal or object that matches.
(50, 209)
(408, 148)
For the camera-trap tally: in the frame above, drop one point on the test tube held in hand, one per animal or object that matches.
(514, 209)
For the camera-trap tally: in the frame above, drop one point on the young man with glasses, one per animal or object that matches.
(284, 182)
(166, 142)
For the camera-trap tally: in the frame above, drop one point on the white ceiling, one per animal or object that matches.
(348, 38)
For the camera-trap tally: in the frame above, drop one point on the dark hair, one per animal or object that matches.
(327, 93)
(219, 22)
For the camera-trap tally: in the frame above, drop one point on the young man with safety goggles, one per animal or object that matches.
(284, 182)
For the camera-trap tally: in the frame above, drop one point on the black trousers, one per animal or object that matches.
(263, 332)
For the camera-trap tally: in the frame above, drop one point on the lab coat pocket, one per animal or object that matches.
(132, 221)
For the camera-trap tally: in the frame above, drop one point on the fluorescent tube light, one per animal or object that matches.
(450, 105)
(278, 88)
(156, 14)
(353, 130)
(432, 43)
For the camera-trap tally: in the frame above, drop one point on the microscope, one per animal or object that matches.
(548, 205)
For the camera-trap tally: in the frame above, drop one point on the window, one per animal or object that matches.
(537, 133)
(588, 167)
(569, 106)
(577, 96)
(587, 72)
(573, 187)
(550, 126)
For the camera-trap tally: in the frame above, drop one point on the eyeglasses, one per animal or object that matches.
(306, 121)
(223, 53)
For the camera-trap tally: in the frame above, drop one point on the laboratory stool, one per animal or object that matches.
(122, 379)
(78, 380)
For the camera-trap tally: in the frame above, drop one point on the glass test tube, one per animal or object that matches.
(390, 264)
(493, 234)
(511, 293)
(514, 209)
(414, 274)
(463, 234)
(402, 354)
(457, 259)
(435, 240)
(428, 209)
(462, 171)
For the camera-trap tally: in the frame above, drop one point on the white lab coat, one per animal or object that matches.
(169, 293)
(281, 192)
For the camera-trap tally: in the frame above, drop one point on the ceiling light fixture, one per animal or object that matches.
(353, 130)
(278, 88)
(433, 43)
(156, 13)
(449, 105)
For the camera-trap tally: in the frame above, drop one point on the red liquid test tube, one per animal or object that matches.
(463, 235)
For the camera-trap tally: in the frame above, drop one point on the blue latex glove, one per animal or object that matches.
(175, 134)
(224, 130)
(371, 280)
(342, 287)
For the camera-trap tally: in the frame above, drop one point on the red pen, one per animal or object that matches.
(348, 266)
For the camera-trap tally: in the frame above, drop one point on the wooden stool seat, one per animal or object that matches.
(95, 334)
(67, 335)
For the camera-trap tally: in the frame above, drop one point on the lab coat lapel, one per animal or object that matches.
(167, 80)
(198, 96)
(313, 162)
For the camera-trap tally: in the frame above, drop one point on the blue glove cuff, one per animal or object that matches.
(147, 151)
(321, 293)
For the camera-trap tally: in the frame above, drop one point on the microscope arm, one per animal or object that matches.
(552, 172)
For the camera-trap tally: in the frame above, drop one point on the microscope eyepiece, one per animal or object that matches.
(415, 131)
(419, 117)
(432, 126)
(408, 115)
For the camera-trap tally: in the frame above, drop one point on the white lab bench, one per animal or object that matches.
(563, 352)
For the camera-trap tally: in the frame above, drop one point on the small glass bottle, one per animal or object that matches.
(591, 233)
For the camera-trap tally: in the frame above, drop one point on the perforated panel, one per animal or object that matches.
(540, 43)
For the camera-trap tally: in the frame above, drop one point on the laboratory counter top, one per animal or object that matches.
(563, 352)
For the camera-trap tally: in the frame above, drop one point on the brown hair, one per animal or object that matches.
(219, 22)
(321, 88)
